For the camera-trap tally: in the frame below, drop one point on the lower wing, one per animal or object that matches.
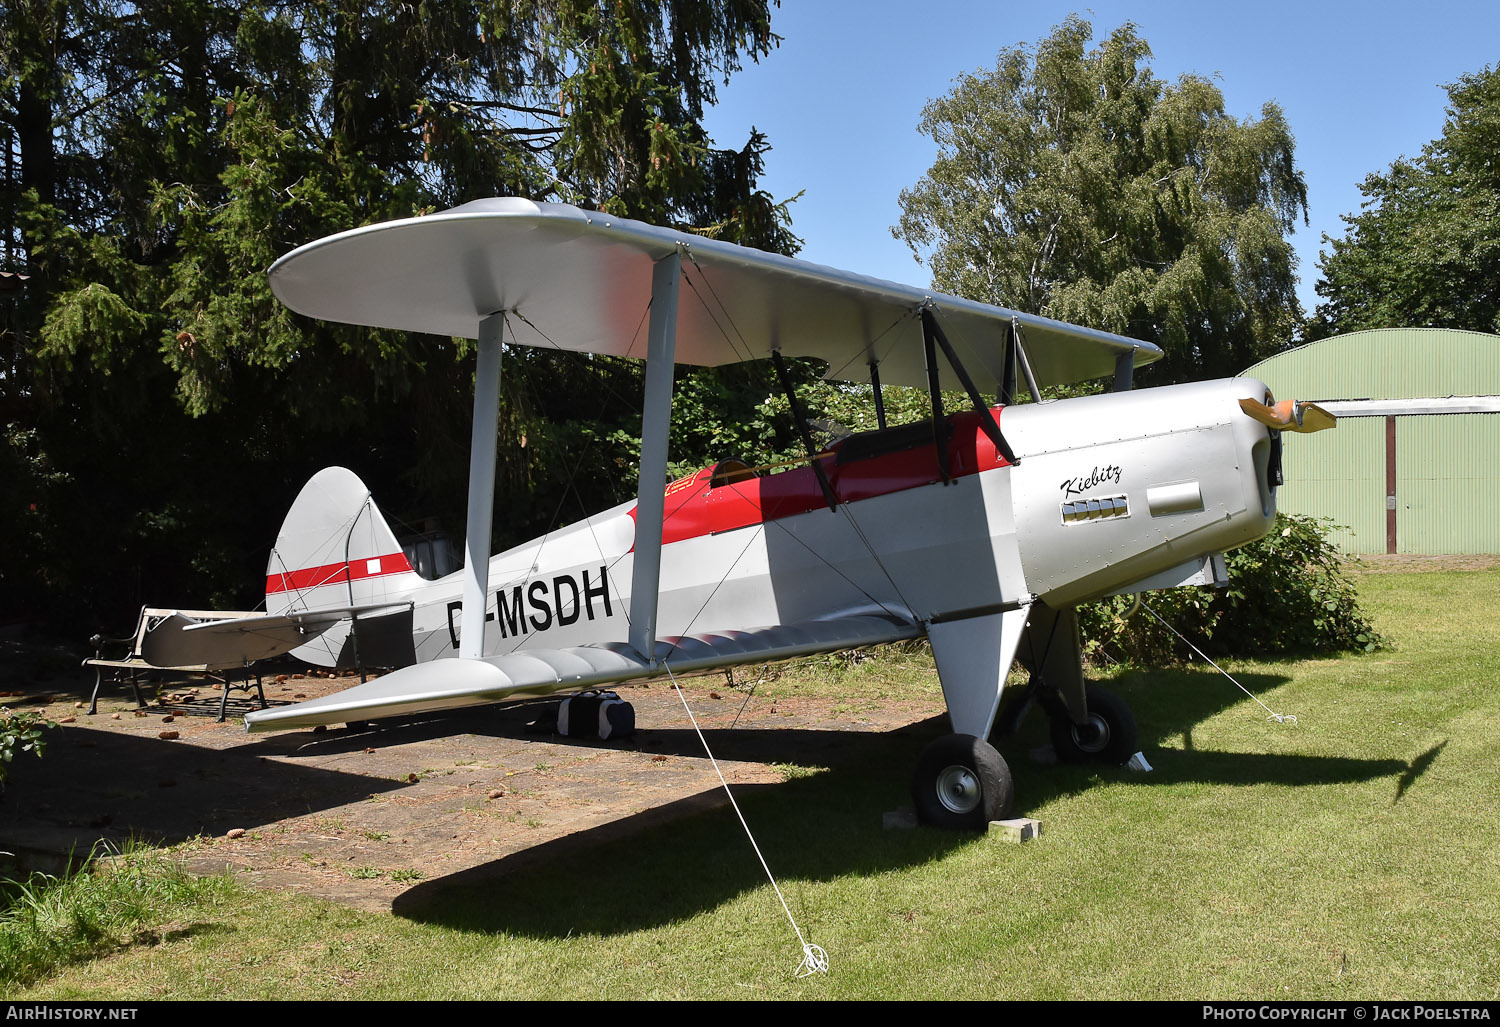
(451, 683)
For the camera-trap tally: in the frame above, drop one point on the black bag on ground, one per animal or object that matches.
(601, 715)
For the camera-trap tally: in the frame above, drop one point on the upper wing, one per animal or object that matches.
(580, 280)
(451, 683)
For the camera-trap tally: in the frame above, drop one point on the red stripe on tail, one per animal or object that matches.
(335, 573)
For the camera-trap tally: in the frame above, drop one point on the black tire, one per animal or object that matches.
(1110, 736)
(962, 783)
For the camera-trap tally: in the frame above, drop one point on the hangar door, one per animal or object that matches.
(1447, 483)
(1340, 475)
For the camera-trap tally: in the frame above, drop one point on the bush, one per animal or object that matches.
(19, 732)
(1287, 594)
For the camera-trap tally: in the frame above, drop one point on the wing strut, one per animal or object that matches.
(481, 486)
(656, 420)
(932, 330)
(1008, 376)
(1015, 332)
(800, 416)
(934, 393)
(875, 386)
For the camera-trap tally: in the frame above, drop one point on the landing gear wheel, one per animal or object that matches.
(962, 783)
(1110, 736)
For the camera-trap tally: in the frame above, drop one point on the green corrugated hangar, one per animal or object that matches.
(1414, 464)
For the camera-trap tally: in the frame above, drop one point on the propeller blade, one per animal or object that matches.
(1290, 415)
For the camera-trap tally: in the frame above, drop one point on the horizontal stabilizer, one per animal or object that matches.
(219, 639)
(452, 683)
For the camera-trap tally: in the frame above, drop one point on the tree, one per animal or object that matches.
(1073, 183)
(159, 157)
(1425, 248)
(222, 136)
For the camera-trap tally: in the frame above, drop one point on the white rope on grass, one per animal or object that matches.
(814, 959)
(1280, 718)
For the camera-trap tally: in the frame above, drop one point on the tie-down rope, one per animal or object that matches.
(814, 959)
(1280, 718)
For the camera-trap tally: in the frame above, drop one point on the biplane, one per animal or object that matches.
(978, 528)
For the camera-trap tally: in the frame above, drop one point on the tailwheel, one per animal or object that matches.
(963, 783)
(1108, 736)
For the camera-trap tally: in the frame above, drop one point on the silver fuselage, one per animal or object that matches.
(1109, 491)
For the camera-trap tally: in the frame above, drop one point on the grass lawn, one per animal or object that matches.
(1349, 855)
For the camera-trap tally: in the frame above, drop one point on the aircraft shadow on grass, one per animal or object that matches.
(620, 878)
(643, 870)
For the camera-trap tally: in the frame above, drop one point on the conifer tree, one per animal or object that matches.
(160, 156)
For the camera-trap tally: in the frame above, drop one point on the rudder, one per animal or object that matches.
(334, 548)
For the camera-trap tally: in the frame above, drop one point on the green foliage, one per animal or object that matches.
(229, 133)
(1425, 250)
(1073, 183)
(105, 905)
(1287, 594)
(162, 156)
(32, 483)
(20, 732)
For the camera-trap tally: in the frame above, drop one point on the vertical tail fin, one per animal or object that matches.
(334, 549)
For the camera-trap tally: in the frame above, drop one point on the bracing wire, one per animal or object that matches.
(833, 567)
(748, 695)
(578, 464)
(838, 372)
(869, 548)
(720, 584)
(327, 549)
(340, 534)
(748, 350)
(725, 332)
(570, 485)
(576, 355)
(742, 349)
(729, 319)
(1280, 718)
(814, 959)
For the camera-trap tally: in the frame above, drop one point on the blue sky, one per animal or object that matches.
(1361, 84)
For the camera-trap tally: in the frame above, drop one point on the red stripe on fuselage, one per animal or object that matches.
(337, 573)
(693, 509)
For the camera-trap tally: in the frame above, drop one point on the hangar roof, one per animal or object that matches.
(1386, 363)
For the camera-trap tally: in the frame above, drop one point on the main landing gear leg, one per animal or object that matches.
(1088, 724)
(961, 781)
(1108, 735)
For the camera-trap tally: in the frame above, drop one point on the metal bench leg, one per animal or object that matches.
(261, 691)
(224, 699)
(135, 687)
(94, 699)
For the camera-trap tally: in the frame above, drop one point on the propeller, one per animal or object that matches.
(1289, 415)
